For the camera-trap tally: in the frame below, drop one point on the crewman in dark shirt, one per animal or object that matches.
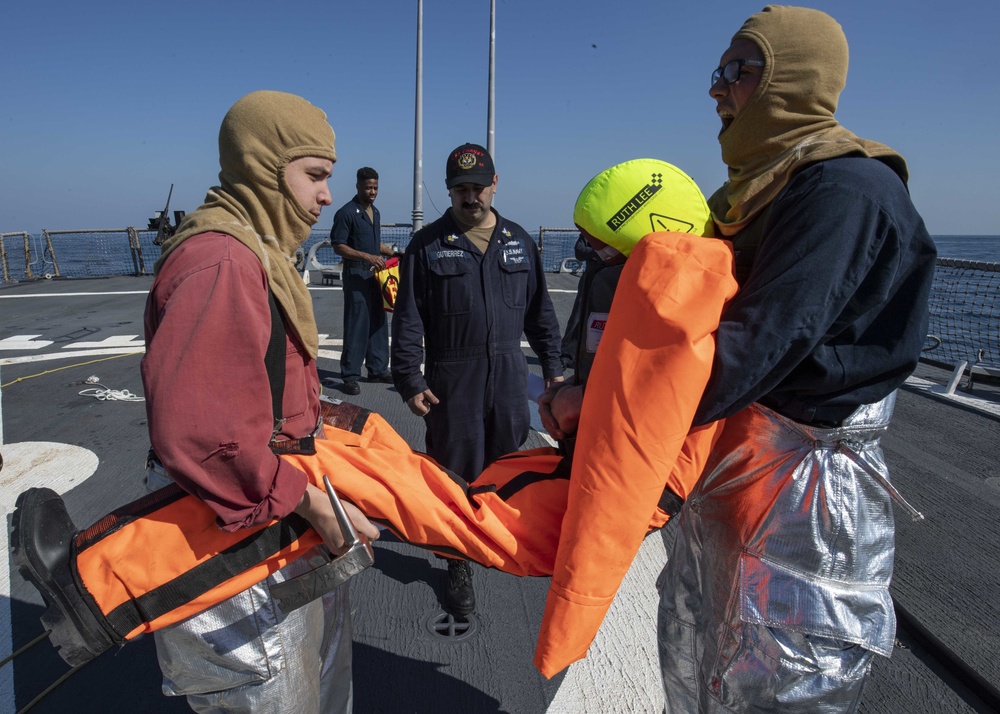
(357, 238)
(776, 597)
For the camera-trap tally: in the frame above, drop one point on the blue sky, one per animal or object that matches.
(103, 105)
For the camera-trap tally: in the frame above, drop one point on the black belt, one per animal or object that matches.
(820, 417)
(305, 446)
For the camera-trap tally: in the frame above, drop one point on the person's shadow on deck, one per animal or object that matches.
(411, 685)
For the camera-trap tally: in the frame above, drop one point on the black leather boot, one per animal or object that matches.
(459, 598)
(41, 538)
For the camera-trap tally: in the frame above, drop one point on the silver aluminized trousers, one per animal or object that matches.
(246, 656)
(776, 594)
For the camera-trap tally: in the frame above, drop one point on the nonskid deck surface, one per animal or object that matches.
(56, 334)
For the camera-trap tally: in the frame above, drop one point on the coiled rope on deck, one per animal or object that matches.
(107, 394)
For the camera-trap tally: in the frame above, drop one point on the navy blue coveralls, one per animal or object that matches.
(470, 309)
(366, 331)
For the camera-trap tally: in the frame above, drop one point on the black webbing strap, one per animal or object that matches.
(670, 503)
(130, 512)
(521, 481)
(274, 358)
(187, 586)
(344, 415)
(274, 363)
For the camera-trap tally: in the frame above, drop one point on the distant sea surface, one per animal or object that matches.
(969, 247)
(89, 254)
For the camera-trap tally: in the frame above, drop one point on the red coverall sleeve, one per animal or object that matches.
(207, 390)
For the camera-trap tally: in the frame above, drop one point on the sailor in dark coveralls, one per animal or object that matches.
(470, 284)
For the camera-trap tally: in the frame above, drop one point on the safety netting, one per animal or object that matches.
(965, 313)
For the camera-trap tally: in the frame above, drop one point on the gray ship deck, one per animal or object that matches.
(943, 455)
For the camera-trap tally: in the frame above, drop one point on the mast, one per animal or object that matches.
(418, 141)
(490, 119)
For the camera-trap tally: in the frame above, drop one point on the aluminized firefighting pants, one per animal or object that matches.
(776, 594)
(246, 656)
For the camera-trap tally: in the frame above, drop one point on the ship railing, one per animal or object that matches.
(18, 248)
(319, 263)
(557, 246)
(964, 331)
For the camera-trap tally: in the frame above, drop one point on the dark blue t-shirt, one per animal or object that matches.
(353, 228)
(832, 310)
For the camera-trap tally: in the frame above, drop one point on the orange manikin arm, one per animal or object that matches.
(652, 365)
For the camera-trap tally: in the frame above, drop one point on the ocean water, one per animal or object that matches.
(985, 248)
(91, 255)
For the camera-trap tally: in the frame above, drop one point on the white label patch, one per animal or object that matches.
(514, 256)
(596, 323)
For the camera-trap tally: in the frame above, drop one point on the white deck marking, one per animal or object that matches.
(31, 464)
(71, 355)
(139, 292)
(621, 672)
(132, 342)
(65, 295)
(23, 342)
(328, 354)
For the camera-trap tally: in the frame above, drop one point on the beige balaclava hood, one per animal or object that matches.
(789, 121)
(260, 135)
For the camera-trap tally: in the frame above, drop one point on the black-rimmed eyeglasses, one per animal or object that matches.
(730, 71)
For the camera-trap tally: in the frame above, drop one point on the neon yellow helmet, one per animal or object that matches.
(628, 201)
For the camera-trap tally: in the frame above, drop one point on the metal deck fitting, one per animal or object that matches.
(451, 628)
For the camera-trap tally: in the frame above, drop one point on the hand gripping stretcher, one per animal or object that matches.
(161, 559)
